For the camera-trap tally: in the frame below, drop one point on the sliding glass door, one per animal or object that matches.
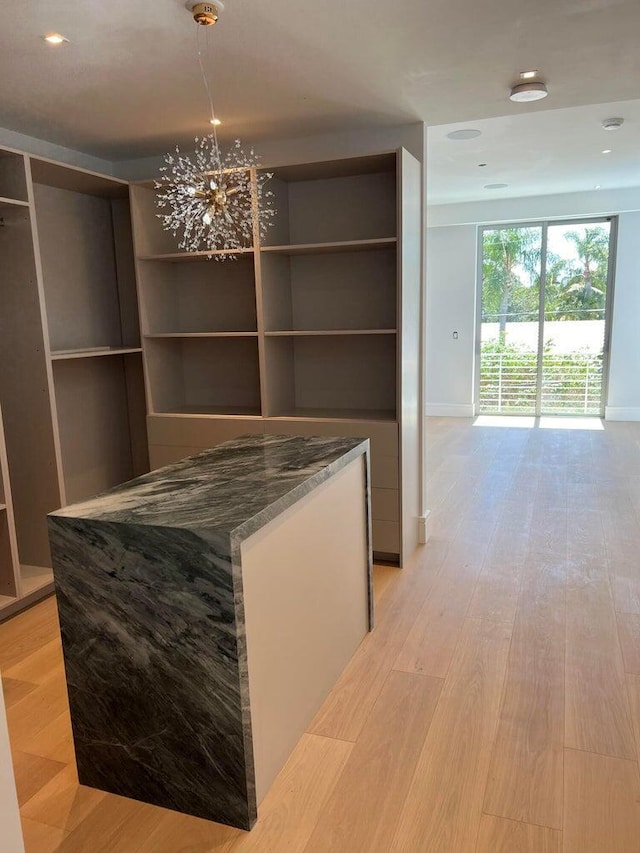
(543, 327)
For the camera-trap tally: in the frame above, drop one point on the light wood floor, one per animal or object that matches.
(496, 707)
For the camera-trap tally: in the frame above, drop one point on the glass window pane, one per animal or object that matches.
(511, 271)
(574, 313)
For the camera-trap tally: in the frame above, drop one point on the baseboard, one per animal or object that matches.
(423, 527)
(449, 410)
(622, 413)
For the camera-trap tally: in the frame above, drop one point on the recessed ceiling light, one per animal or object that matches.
(467, 133)
(528, 75)
(523, 93)
(612, 123)
(495, 186)
(215, 122)
(481, 165)
(55, 38)
(598, 187)
(606, 151)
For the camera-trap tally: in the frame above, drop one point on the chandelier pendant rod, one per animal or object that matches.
(207, 87)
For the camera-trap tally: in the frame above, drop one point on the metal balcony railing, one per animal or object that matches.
(571, 383)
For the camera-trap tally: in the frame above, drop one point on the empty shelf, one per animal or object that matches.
(341, 246)
(91, 352)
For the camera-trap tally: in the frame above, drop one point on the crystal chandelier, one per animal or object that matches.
(215, 202)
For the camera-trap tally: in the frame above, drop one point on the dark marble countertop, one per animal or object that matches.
(231, 490)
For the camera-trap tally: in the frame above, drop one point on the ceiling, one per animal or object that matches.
(127, 84)
(538, 153)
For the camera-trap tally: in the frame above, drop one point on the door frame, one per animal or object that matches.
(544, 224)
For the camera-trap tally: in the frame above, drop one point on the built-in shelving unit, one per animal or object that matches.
(93, 326)
(71, 380)
(9, 565)
(316, 331)
(13, 179)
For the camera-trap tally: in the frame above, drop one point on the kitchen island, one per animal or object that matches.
(206, 611)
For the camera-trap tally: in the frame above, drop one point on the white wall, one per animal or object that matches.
(624, 372)
(450, 301)
(451, 293)
(562, 205)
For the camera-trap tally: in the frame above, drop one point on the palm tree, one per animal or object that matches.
(583, 287)
(507, 253)
(593, 250)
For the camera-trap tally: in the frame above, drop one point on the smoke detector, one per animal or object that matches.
(205, 14)
(612, 123)
(529, 91)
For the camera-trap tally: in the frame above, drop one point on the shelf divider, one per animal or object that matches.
(155, 335)
(12, 202)
(341, 246)
(193, 256)
(92, 352)
(328, 332)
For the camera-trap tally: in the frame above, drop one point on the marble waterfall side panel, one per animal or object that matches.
(149, 628)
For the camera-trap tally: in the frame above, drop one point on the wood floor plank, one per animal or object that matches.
(602, 804)
(39, 838)
(497, 591)
(597, 710)
(548, 529)
(349, 704)
(431, 642)
(54, 740)
(633, 694)
(41, 665)
(384, 579)
(443, 807)
(32, 773)
(362, 813)
(525, 780)
(625, 576)
(629, 636)
(429, 648)
(62, 803)
(115, 825)
(498, 835)
(32, 714)
(296, 801)
(27, 632)
(178, 833)
(14, 690)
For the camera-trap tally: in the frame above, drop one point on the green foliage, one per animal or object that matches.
(574, 289)
(510, 262)
(578, 291)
